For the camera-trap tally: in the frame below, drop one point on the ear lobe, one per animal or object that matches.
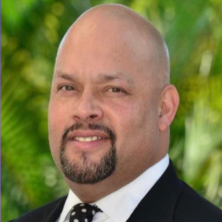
(168, 104)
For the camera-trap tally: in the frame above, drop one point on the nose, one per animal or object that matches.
(88, 108)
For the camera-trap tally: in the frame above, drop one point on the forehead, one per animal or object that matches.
(109, 38)
(103, 59)
(108, 50)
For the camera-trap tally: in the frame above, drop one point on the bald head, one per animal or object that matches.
(118, 26)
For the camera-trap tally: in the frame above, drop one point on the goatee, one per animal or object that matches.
(85, 171)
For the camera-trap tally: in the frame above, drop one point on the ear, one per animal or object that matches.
(168, 104)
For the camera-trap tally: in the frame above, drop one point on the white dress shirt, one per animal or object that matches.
(119, 205)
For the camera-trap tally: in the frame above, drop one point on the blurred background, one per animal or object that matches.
(31, 32)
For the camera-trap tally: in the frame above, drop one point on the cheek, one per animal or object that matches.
(129, 119)
(56, 120)
(134, 116)
(58, 116)
(136, 129)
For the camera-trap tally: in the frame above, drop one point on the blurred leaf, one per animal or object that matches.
(31, 32)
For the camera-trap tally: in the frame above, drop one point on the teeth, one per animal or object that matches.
(87, 139)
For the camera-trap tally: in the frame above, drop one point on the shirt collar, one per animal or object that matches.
(120, 204)
(71, 200)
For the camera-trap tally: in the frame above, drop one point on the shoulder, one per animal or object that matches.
(171, 200)
(192, 207)
(51, 210)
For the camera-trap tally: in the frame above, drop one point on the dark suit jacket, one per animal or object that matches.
(170, 200)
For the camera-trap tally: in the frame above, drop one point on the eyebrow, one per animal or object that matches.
(102, 77)
(59, 74)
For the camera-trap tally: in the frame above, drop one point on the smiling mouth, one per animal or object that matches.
(88, 139)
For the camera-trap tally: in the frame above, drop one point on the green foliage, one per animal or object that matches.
(31, 32)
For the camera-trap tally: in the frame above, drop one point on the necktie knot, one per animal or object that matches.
(83, 212)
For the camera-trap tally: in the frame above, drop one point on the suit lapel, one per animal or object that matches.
(52, 213)
(159, 203)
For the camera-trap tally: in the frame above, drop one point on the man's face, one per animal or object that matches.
(103, 111)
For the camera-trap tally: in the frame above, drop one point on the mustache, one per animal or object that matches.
(90, 126)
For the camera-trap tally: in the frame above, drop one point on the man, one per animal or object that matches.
(110, 110)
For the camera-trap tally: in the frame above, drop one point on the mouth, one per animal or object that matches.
(86, 139)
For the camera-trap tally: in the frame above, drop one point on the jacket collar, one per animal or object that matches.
(159, 203)
(52, 213)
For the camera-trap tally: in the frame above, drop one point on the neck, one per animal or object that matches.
(89, 193)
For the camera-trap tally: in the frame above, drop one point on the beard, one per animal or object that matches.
(85, 171)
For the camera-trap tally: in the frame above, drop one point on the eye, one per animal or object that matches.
(66, 88)
(115, 90)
